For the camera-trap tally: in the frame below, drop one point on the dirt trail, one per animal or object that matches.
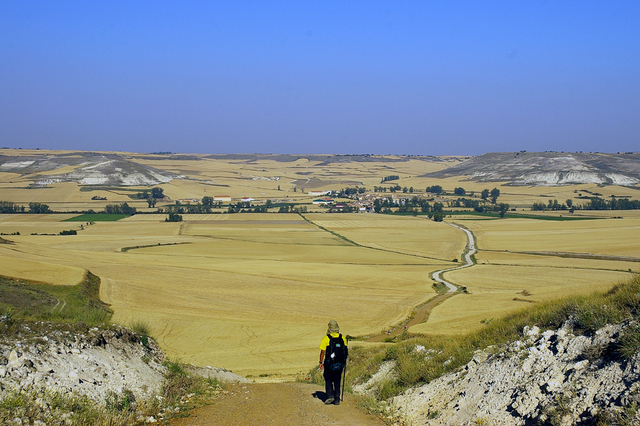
(420, 316)
(278, 404)
(422, 313)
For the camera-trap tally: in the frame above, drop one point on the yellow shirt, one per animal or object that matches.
(325, 341)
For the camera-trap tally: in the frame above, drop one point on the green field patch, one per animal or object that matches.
(97, 217)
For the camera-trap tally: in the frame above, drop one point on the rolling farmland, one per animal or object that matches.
(253, 292)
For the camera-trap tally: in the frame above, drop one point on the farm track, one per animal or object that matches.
(422, 312)
(64, 303)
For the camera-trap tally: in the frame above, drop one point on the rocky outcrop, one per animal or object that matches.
(549, 168)
(92, 362)
(551, 377)
(83, 361)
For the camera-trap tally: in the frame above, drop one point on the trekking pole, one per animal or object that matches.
(344, 374)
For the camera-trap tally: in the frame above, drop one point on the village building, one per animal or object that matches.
(223, 198)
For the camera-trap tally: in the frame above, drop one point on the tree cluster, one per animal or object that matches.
(11, 207)
(480, 206)
(409, 205)
(123, 208)
(39, 208)
(350, 192)
(434, 189)
(494, 194)
(151, 197)
(173, 217)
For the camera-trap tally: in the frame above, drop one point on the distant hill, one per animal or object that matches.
(85, 168)
(549, 168)
(326, 159)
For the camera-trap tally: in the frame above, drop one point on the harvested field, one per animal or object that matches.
(616, 237)
(248, 292)
(406, 234)
(47, 273)
(493, 290)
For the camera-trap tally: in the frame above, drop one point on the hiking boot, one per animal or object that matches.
(337, 401)
(329, 401)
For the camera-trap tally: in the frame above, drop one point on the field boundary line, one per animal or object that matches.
(572, 255)
(578, 268)
(369, 247)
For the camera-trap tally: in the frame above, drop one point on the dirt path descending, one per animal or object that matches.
(278, 404)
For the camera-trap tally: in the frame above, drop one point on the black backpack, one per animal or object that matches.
(336, 354)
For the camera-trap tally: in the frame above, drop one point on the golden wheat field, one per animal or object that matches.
(253, 292)
(250, 292)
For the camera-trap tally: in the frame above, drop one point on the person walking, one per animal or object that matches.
(333, 359)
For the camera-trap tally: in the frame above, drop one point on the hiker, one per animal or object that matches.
(333, 359)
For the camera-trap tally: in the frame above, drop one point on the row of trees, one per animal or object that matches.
(350, 192)
(11, 207)
(595, 203)
(485, 194)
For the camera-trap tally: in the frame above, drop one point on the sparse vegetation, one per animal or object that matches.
(29, 301)
(588, 313)
(180, 383)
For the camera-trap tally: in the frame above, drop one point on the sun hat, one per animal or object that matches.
(333, 327)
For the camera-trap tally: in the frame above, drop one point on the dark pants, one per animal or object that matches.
(332, 383)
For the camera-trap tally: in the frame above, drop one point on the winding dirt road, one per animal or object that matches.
(470, 251)
(422, 313)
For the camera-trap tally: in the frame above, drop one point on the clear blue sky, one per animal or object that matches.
(344, 77)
